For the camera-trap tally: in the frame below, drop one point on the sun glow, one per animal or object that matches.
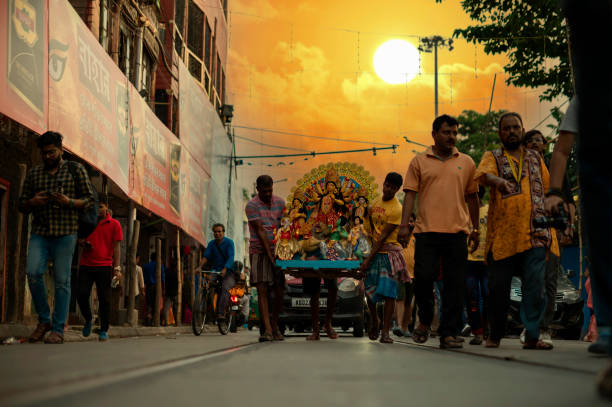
(396, 62)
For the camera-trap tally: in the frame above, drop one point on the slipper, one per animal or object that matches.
(278, 336)
(331, 334)
(385, 339)
(420, 335)
(266, 338)
(314, 337)
(537, 345)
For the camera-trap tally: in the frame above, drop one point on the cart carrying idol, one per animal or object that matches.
(326, 231)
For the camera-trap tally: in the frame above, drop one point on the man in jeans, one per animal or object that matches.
(515, 245)
(149, 273)
(220, 253)
(100, 262)
(54, 197)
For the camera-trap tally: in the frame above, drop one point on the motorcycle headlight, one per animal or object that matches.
(571, 296)
(348, 285)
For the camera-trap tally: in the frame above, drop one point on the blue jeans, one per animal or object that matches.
(530, 265)
(60, 249)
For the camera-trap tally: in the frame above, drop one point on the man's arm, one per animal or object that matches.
(386, 232)
(28, 199)
(558, 163)
(261, 235)
(229, 264)
(474, 207)
(403, 237)
(83, 185)
(117, 258)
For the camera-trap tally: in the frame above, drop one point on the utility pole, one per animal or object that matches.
(427, 44)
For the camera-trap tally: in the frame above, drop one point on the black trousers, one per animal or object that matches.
(102, 277)
(448, 252)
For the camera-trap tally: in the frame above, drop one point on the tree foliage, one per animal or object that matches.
(474, 129)
(532, 34)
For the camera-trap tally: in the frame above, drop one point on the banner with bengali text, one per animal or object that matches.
(87, 95)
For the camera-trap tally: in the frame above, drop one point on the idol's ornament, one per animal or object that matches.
(328, 216)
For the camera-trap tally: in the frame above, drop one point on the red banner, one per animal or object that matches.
(24, 62)
(87, 95)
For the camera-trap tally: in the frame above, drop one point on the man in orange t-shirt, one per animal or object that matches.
(444, 180)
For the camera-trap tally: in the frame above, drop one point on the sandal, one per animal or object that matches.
(385, 338)
(278, 336)
(314, 337)
(266, 338)
(449, 342)
(373, 333)
(537, 344)
(492, 343)
(331, 334)
(421, 334)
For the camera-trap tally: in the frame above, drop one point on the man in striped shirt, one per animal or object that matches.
(264, 213)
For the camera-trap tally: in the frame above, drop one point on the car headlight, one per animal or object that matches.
(348, 285)
(571, 296)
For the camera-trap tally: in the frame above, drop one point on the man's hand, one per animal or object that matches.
(474, 240)
(60, 198)
(365, 265)
(551, 204)
(223, 272)
(40, 199)
(403, 236)
(504, 186)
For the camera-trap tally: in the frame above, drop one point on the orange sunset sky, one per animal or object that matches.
(307, 67)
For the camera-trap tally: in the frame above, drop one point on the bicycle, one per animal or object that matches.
(205, 303)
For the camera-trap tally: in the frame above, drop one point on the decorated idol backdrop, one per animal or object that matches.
(327, 215)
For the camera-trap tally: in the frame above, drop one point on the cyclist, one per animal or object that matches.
(220, 254)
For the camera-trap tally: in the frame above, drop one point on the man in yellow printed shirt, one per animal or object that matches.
(518, 179)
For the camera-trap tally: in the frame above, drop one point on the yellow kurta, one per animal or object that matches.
(509, 218)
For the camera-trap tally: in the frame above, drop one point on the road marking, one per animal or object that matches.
(81, 384)
(505, 358)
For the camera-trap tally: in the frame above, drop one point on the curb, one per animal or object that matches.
(73, 332)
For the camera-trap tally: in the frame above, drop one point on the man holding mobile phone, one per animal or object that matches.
(54, 196)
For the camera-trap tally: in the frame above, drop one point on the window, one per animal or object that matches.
(179, 24)
(195, 27)
(223, 97)
(207, 46)
(106, 25)
(162, 105)
(125, 51)
(146, 74)
(195, 67)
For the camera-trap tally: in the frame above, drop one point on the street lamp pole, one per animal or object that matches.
(429, 44)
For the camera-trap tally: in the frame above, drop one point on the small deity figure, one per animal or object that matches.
(297, 214)
(285, 243)
(358, 239)
(332, 248)
(361, 206)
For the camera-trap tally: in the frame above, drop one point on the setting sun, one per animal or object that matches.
(396, 62)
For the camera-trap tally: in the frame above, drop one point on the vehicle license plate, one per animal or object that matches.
(234, 308)
(305, 302)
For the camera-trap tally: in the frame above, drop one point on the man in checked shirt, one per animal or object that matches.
(54, 197)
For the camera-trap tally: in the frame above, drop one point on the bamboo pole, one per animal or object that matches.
(179, 272)
(158, 283)
(133, 278)
(19, 278)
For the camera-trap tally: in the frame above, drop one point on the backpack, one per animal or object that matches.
(88, 217)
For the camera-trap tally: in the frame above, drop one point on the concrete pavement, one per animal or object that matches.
(235, 369)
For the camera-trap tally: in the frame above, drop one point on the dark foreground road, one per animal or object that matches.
(224, 371)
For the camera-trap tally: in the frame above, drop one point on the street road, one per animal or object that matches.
(214, 370)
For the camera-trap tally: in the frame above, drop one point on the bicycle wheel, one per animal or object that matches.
(200, 307)
(224, 328)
